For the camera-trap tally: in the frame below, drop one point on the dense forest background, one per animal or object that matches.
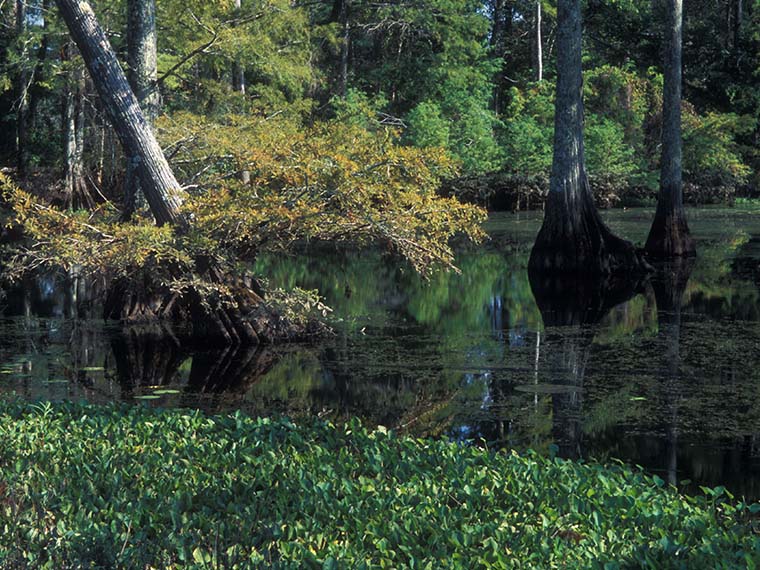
(238, 78)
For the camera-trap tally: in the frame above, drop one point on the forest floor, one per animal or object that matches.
(135, 487)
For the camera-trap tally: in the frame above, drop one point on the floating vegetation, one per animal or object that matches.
(131, 487)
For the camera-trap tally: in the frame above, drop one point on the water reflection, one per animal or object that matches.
(575, 305)
(661, 374)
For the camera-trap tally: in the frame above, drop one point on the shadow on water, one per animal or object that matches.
(662, 374)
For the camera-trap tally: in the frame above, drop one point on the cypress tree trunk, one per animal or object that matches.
(142, 66)
(538, 48)
(238, 85)
(573, 238)
(238, 71)
(500, 30)
(669, 235)
(22, 109)
(75, 190)
(340, 14)
(156, 177)
(38, 89)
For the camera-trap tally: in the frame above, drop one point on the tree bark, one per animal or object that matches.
(22, 110)
(38, 89)
(238, 71)
(500, 30)
(142, 72)
(538, 49)
(573, 237)
(669, 235)
(156, 177)
(340, 14)
(238, 85)
(75, 190)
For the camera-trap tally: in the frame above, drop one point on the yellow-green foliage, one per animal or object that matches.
(329, 182)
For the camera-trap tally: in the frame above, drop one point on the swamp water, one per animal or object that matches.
(666, 377)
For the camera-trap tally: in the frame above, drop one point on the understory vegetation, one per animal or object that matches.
(132, 487)
(459, 75)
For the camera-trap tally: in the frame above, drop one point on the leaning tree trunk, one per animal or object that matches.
(142, 72)
(241, 316)
(573, 237)
(156, 177)
(669, 235)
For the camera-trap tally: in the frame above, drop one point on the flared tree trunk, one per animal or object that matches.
(669, 235)
(142, 72)
(156, 177)
(573, 237)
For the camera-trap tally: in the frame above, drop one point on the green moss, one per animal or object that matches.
(132, 487)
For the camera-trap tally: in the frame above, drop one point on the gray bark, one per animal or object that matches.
(539, 48)
(142, 72)
(238, 85)
(156, 177)
(238, 71)
(669, 235)
(75, 192)
(573, 238)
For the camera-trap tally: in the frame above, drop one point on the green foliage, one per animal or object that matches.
(529, 130)
(242, 492)
(427, 127)
(334, 182)
(710, 148)
(622, 132)
(607, 153)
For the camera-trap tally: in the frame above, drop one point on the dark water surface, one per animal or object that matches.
(667, 379)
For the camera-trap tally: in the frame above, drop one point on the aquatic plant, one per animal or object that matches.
(131, 487)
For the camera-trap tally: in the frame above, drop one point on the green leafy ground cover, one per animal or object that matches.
(131, 487)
